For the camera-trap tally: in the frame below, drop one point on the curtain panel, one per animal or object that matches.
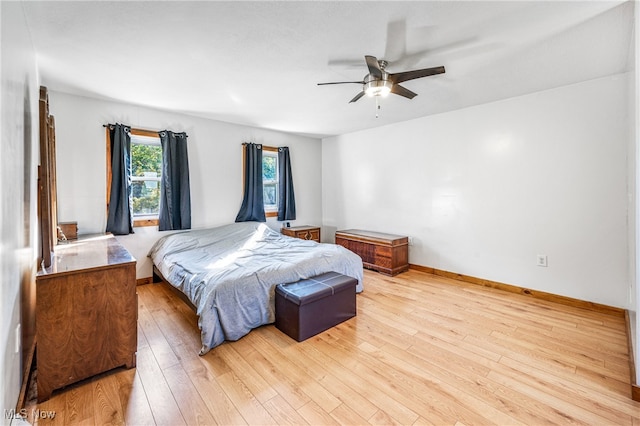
(252, 208)
(175, 192)
(120, 214)
(286, 197)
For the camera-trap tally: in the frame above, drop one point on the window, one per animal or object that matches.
(270, 180)
(146, 170)
(272, 176)
(146, 174)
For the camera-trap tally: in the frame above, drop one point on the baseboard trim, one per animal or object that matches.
(26, 377)
(635, 389)
(550, 297)
(143, 281)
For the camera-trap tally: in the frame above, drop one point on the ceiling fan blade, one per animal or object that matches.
(345, 63)
(402, 91)
(396, 46)
(341, 82)
(358, 96)
(374, 66)
(410, 75)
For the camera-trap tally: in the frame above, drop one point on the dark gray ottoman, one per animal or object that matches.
(308, 307)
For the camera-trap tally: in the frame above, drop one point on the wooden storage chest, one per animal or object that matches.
(86, 313)
(385, 253)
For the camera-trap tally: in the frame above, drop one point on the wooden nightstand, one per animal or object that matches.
(305, 232)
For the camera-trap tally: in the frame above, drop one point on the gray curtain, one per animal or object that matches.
(120, 215)
(175, 193)
(252, 208)
(286, 197)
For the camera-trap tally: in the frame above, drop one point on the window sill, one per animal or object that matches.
(145, 222)
(271, 214)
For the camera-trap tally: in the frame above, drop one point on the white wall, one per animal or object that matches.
(484, 190)
(18, 222)
(215, 163)
(635, 124)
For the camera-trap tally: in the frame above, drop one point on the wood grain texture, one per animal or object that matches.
(46, 180)
(304, 232)
(143, 281)
(385, 253)
(145, 222)
(423, 349)
(69, 230)
(635, 389)
(522, 290)
(85, 317)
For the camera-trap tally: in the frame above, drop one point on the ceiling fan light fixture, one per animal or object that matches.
(379, 83)
(378, 88)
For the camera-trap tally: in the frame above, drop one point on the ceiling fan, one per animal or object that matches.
(380, 83)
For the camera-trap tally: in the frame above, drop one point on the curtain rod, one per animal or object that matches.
(264, 147)
(144, 132)
(135, 128)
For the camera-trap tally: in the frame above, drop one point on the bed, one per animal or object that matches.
(229, 273)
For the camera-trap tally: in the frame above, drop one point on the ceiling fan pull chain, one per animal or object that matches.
(377, 105)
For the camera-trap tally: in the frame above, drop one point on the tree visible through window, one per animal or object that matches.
(270, 179)
(146, 174)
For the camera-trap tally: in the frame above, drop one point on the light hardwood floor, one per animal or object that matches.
(422, 350)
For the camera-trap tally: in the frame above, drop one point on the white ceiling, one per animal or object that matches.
(257, 63)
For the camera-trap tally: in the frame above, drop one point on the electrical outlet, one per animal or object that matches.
(542, 260)
(410, 241)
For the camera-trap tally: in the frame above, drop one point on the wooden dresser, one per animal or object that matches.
(303, 232)
(86, 313)
(385, 253)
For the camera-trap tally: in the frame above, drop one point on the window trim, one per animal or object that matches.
(151, 220)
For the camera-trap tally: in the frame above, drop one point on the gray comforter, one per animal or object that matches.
(230, 272)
